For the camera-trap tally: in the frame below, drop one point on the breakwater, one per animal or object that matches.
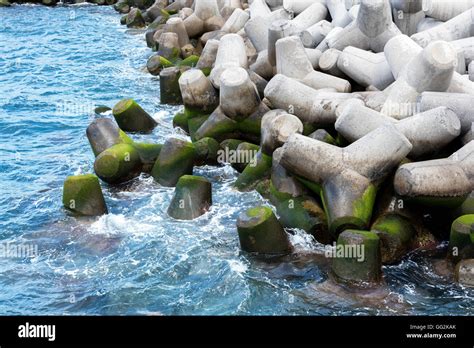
(271, 145)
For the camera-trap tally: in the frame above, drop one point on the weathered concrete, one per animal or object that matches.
(277, 126)
(236, 21)
(366, 68)
(346, 175)
(257, 28)
(440, 181)
(231, 53)
(371, 30)
(407, 15)
(461, 104)
(427, 23)
(292, 61)
(312, 36)
(456, 28)
(168, 44)
(206, 16)
(197, 91)
(303, 101)
(445, 10)
(298, 6)
(310, 16)
(238, 95)
(339, 14)
(278, 29)
(430, 70)
(328, 63)
(428, 131)
(401, 49)
(467, 47)
(208, 55)
(176, 25)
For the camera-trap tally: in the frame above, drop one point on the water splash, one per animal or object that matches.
(138, 260)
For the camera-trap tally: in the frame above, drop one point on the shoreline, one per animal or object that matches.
(369, 187)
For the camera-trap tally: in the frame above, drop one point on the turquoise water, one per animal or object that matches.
(56, 65)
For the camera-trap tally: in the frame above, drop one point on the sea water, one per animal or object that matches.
(56, 65)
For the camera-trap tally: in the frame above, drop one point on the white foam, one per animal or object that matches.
(237, 266)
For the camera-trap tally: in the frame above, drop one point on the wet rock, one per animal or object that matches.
(175, 160)
(132, 118)
(357, 258)
(82, 195)
(192, 198)
(259, 231)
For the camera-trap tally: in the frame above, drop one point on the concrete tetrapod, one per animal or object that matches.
(277, 126)
(461, 239)
(168, 46)
(259, 231)
(256, 171)
(462, 105)
(236, 21)
(366, 68)
(176, 25)
(407, 15)
(238, 96)
(428, 131)
(339, 14)
(118, 164)
(456, 28)
(295, 208)
(132, 118)
(257, 28)
(312, 36)
(328, 63)
(400, 50)
(206, 14)
(309, 105)
(360, 263)
(282, 180)
(192, 198)
(197, 91)
(298, 6)
(103, 133)
(467, 47)
(277, 30)
(445, 182)
(464, 272)
(371, 30)
(395, 232)
(292, 61)
(169, 86)
(445, 10)
(315, 13)
(347, 176)
(176, 159)
(231, 53)
(208, 56)
(430, 70)
(206, 151)
(244, 154)
(82, 195)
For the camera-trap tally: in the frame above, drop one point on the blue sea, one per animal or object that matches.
(56, 65)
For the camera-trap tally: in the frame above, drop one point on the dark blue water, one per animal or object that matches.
(56, 65)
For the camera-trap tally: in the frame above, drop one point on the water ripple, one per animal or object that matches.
(138, 260)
